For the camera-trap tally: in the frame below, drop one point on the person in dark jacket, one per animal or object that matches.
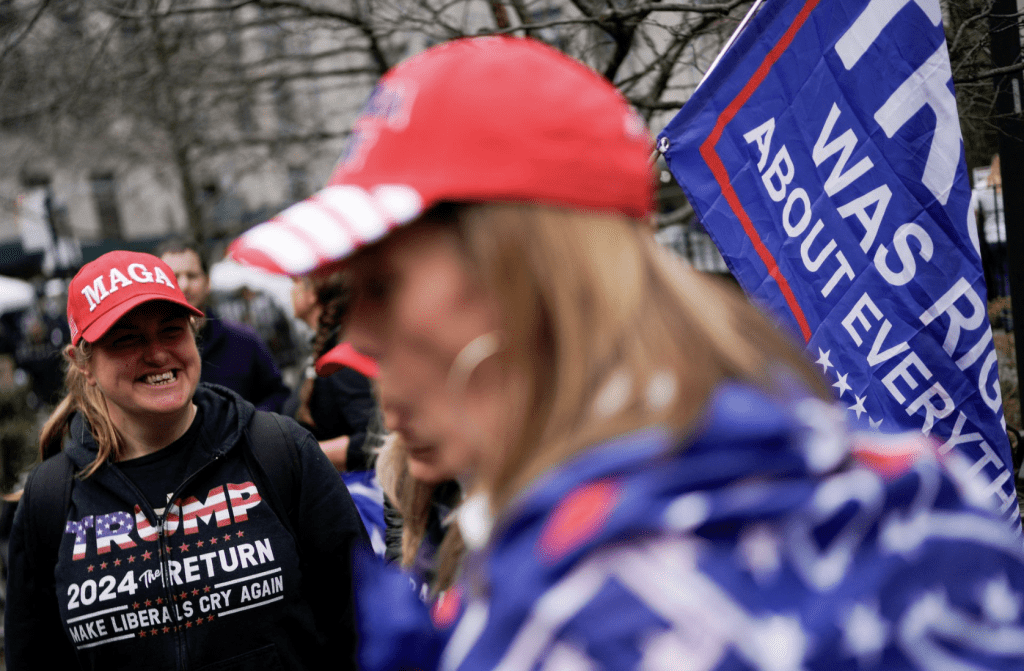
(334, 399)
(233, 354)
(180, 548)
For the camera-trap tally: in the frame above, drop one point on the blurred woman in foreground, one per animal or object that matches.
(658, 477)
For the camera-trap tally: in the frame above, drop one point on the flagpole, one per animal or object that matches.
(1006, 49)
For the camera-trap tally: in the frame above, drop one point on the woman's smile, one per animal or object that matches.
(161, 379)
(147, 365)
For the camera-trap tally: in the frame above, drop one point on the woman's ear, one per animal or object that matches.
(80, 363)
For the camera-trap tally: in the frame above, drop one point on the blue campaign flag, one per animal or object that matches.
(824, 157)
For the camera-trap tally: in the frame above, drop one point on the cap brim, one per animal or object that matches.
(326, 228)
(98, 328)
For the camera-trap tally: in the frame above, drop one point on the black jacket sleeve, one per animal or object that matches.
(34, 634)
(329, 529)
(342, 405)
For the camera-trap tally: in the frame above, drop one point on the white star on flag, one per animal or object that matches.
(823, 360)
(842, 384)
(858, 407)
(875, 423)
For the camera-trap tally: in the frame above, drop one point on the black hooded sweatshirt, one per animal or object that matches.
(213, 580)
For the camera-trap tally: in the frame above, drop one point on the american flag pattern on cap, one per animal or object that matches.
(460, 123)
(327, 226)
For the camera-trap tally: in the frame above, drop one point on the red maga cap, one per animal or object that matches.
(104, 290)
(477, 119)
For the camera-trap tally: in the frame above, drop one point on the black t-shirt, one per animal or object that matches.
(157, 475)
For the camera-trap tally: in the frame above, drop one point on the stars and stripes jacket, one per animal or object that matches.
(763, 543)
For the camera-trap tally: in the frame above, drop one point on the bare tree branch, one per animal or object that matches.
(197, 83)
(524, 17)
(13, 44)
(283, 77)
(988, 74)
(651, 7)
(500, 15)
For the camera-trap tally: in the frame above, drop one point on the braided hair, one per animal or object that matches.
(332, 295)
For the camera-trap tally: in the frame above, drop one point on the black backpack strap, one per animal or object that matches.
(276, 457)
(50, 499)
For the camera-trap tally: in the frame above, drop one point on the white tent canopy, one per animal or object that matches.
(15, 294)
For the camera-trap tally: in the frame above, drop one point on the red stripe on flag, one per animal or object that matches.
(711, 157)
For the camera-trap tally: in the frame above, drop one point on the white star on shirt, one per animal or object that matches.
(875, 423)
(858, 407)
(760, 550)
(781, 641)
(999, 601)
(565, 657)
(865, 632)
(823, 360)
(842, 384)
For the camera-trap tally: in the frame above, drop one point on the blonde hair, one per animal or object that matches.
(413, 499)
(604, 331)
(88, 400)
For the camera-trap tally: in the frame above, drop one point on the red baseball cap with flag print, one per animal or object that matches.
(105, 290)
(476, 119)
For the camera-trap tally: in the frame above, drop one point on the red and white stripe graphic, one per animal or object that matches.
(325, 228)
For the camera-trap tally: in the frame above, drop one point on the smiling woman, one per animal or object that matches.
(257, 575)
(147, 368)
(125, 305)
